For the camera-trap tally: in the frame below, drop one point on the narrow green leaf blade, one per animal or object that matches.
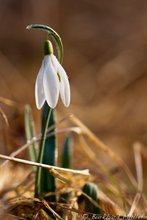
(30, 133)
(67, 153)
(66, 162)
(91, 190)
(45, 182)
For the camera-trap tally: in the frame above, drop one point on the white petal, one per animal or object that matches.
(39, 92)
(50, 83)
(64, 84)
(54, 61)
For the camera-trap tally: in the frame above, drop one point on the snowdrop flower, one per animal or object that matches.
(51, 81)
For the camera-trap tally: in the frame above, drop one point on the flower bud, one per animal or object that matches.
(48, 47)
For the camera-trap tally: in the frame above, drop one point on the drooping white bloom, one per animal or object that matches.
(51, 81)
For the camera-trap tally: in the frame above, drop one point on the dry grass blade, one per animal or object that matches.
(38, 138)
(114, 186)
(4, 117)
(59, 176)
(138, 163)
(59, 122)
(20, 149)
(96, 141)
(92, 156)
(8, 102)
(139, 171)
(107, 202)
(30, 163)
(69, 181)
(52, 210)
(91, 200)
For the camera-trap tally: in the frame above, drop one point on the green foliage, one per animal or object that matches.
(30, 133)
(67, 153)
(91, 190)
(45, 182)
(66, 161)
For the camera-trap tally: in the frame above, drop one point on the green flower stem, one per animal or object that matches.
(39, 187)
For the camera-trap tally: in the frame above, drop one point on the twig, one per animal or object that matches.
(30, 163)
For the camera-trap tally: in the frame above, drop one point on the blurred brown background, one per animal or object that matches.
(105, 45)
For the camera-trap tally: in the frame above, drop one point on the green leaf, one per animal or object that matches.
(45, 182)
(91, 190)
(67, 153)
(66, 162)
(30, 133)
